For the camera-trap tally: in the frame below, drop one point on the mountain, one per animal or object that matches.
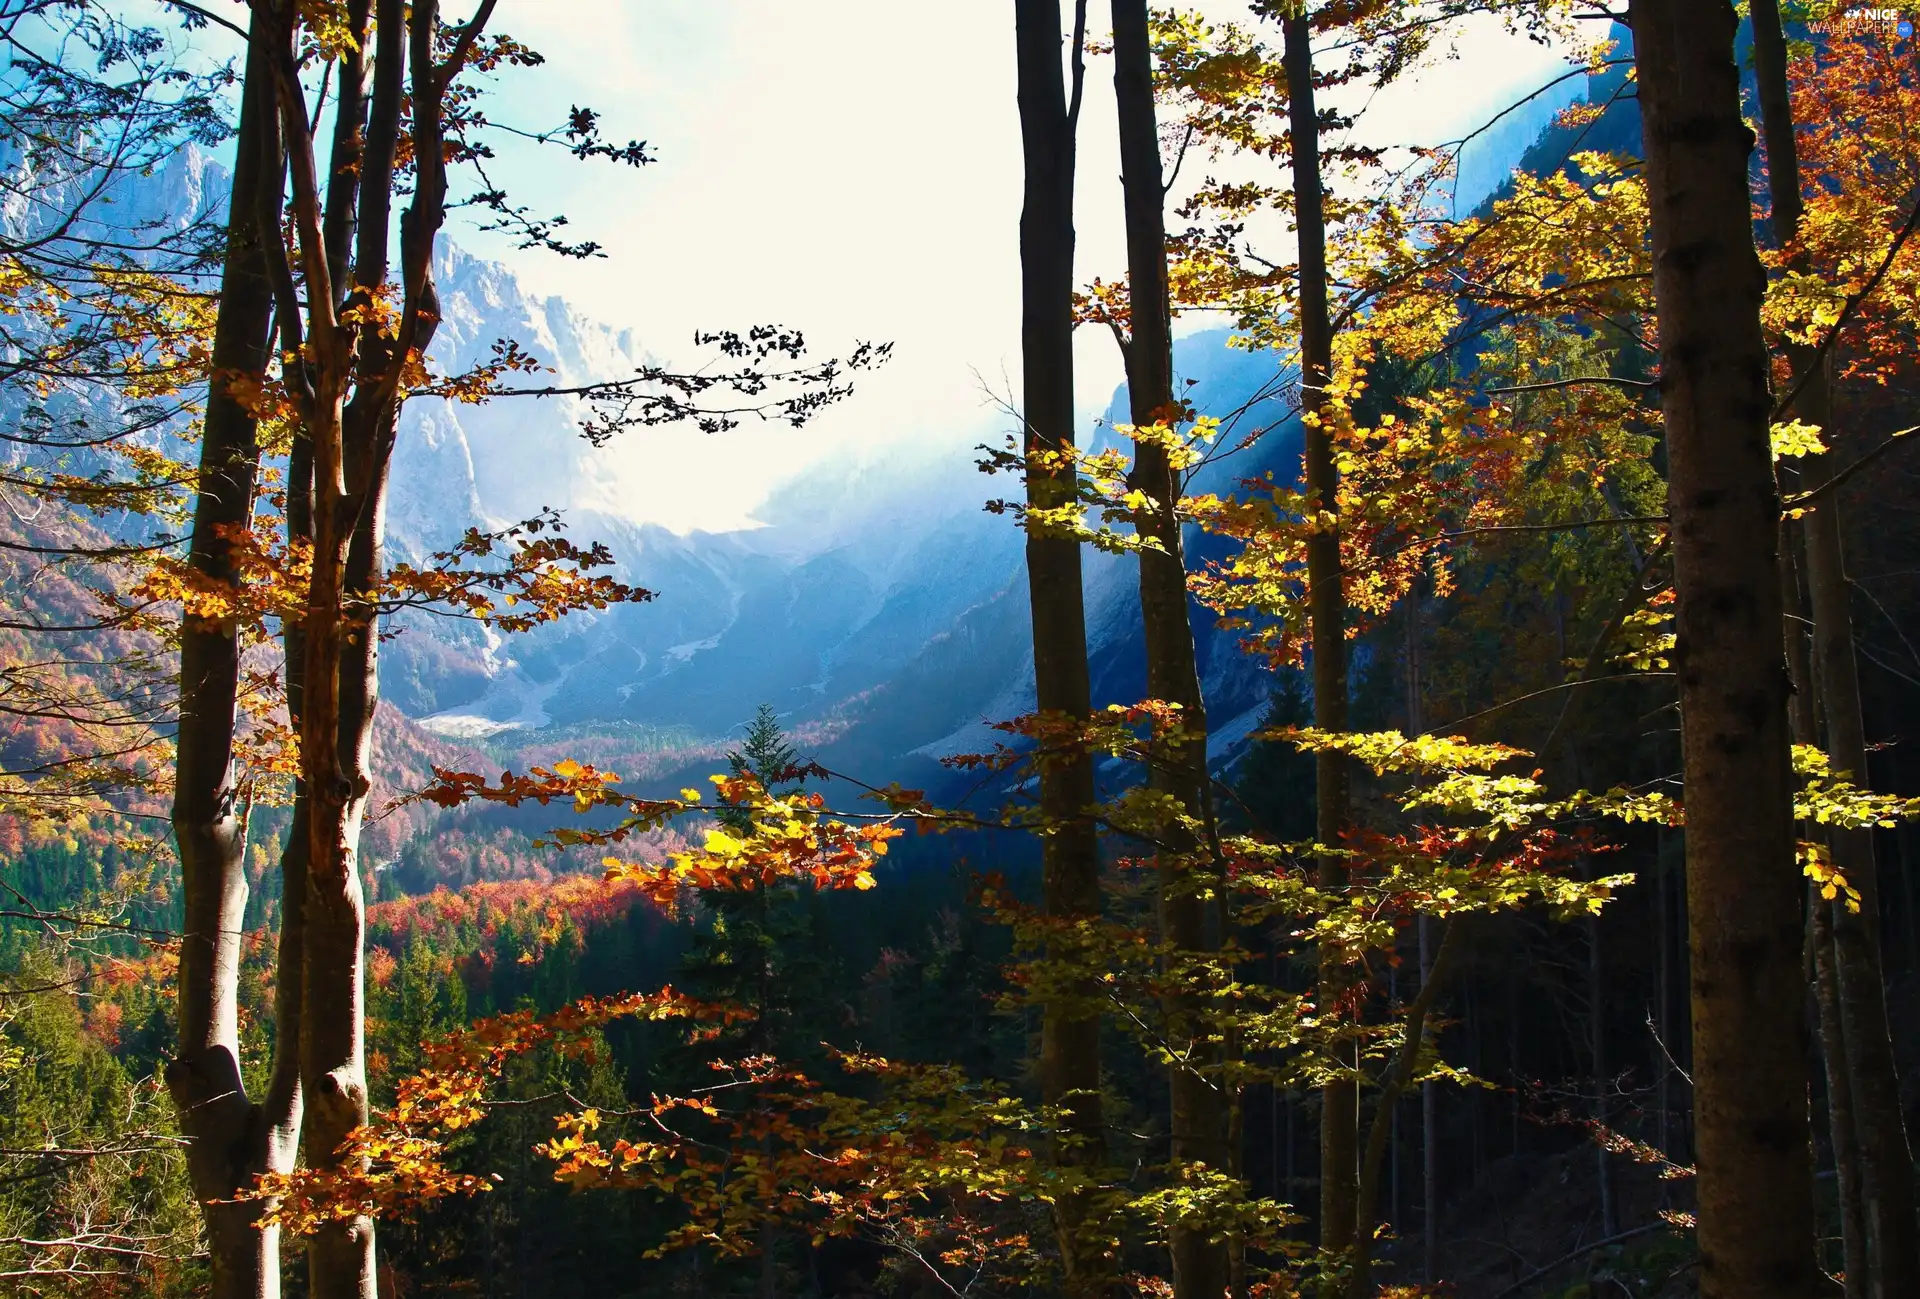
(880, 608)
(877, 607)
(882, 611)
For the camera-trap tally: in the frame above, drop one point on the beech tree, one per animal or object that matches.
(1869, 1126)
(233, 1138)
(1756, 1221)
(1246, 98)
(1187, 885)
(1049, 119)
(352, 319)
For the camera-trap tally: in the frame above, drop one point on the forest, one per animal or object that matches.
(1408, 801)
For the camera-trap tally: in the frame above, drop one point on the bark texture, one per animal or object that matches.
(1886, 1158)
(1803, 720)
(1880, 1138)
(1841, 1120)
(1070, 1034)
(345, 375)
(232, 1138)
(1197, 1105)
(1340, 1099)
(1756, 1217)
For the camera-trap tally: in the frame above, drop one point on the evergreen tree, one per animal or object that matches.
(763, 948)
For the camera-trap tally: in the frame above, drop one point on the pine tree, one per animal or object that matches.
(762, 947)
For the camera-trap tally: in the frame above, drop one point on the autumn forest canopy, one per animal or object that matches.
(1408, 795)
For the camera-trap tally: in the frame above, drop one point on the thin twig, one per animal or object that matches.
(1606, 379)
(1841, 476)
(1637, 594)
(1580, 1253)
(1549, 690)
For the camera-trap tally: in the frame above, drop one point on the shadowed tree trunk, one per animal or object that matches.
(1805, 728)
(1886, 1158)
(1429, 1090)
(1070, 1036)
(1429, 1141)
(1841, 1120)
(1756, 1217)
(1602, 1080)
(232, 1139)
(1198, 1118)
(1340, 1099)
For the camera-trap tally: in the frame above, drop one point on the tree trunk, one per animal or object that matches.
(1070, 1037)
(340, 1256)
(1756, 1216)
(1804, 722)
(1602, 1080)
(229, 1135)
(1842, 1121)
(1429, 1141)
(1429, 1090)
(1340, 1099)
(1663, 997)
(1886, 1158)
(1393, 1085)
(337, 641)
(1200, 1260)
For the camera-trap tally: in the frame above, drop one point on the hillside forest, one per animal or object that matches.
(1414, 801)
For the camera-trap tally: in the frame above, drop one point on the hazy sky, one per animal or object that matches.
(852, 168)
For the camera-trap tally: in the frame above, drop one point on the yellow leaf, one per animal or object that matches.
(1795, 438)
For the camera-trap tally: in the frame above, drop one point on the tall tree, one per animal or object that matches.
(1199, 1130)
(232, 1138)
(1070, 1033)
(1756, 1220)
(1880, 1135)
(1340, 1097)
(348, 386)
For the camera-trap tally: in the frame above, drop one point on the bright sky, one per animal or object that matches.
(852, 168)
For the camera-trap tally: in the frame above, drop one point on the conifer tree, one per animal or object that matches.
(759, 947)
